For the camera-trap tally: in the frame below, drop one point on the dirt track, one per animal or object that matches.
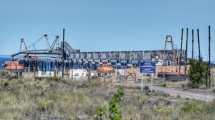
(174, 92)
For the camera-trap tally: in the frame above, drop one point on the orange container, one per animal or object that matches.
(14, 66)
(105, 69)
(171, 70)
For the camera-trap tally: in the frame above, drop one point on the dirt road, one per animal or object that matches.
(174, 92)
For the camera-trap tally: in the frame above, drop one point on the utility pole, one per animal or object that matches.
(181, 50)
(209, 56)
(199, 47)
(192, 44)
(63, 54)
(186, 51)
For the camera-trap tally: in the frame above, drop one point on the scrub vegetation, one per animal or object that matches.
(198, 73)
(56, 99)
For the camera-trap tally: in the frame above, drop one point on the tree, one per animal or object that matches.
(197, 73)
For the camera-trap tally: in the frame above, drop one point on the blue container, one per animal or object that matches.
(147, 67)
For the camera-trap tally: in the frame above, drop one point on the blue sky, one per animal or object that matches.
(94, 25)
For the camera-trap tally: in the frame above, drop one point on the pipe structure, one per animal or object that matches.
(199, 47)
(186, 51)
(209, 56)
(181, 50)
(63, 54)
(192, 44)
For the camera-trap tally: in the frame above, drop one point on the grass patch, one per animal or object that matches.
(70, 100)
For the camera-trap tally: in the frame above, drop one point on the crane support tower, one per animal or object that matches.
(23, 46)
(170, 56)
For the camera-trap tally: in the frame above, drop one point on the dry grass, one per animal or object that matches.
(67, 100)
(33, 99)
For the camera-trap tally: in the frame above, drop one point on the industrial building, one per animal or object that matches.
(60, 58)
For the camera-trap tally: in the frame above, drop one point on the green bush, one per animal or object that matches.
(197, 73)
(191, 107)
(113, 107)
(100, 111)
(163, 85)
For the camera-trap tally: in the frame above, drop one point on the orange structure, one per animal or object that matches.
(131, 73)
(171, 70)
(14, 66)
(105, 68)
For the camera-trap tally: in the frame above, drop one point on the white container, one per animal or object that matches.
(45, 74)
(121, 72)
(78, 73)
